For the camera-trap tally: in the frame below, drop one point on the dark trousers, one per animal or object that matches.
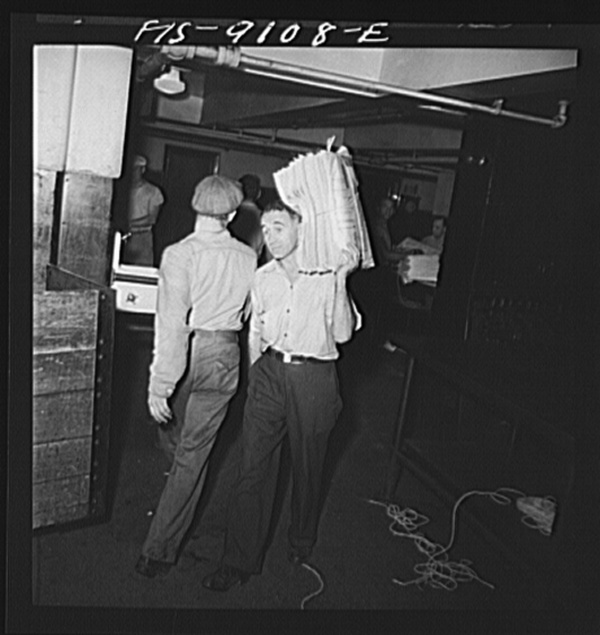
(302, 401)
(211, 382)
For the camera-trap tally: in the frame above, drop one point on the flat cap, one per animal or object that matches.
(216, 196)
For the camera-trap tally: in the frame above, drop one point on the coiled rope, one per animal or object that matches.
(438, 572)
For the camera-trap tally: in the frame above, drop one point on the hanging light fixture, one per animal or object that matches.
(170, 82)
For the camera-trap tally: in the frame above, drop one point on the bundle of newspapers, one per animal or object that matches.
(322, 187)
(422, 268)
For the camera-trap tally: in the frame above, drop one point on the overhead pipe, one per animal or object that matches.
(234, 137)
(234, 58)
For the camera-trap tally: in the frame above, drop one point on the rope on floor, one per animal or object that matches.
(438, 572)
(318, 591)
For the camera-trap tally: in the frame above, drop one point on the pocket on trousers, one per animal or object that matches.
(219, 372)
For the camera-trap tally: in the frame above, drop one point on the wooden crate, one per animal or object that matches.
(67, 428)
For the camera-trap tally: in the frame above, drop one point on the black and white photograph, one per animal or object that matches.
(302, 325)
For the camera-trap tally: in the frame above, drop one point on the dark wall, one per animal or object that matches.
(520, 268)
(519, 284)
(521, 219)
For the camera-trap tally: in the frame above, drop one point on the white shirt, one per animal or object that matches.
(298, 317)
(204, 282)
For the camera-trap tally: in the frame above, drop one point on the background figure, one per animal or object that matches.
(383, 279)
(145, 200)
(297, 320)
(385, 253)
(246, 224)
(408, 221)
(203, 292)
(438, 234)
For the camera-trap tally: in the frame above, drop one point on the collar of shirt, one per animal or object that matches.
(210, 229)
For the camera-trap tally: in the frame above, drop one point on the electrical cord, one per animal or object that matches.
(538, 513)
(438, 572)
(318, 591)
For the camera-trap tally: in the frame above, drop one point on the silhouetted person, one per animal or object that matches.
(246, 224)
(408, 221)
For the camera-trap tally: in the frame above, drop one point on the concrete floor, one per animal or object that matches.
(357, 555)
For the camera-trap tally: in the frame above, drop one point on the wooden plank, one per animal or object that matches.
(58, 279)
(85, 226)
(59, 515)
(63, 415)
(60, 501)
(61, 459)
(44, 182)
(63, 371)
(64, 320)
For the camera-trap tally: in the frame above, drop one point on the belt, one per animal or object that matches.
(229, 336)
(288, 358)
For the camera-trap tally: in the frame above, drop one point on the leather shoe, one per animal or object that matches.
(225, 578)
(298, 555)
(150, 568)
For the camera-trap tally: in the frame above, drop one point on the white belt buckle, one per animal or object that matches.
(287, 358)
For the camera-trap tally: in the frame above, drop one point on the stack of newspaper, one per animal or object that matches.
(422, 269)
(322, 187)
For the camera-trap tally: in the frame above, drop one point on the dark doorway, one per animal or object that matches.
(183, 168)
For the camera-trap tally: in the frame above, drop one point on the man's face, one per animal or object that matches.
(138, 172)
(438, 228)
(281, 233)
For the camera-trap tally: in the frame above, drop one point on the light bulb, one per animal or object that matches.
(170, 83)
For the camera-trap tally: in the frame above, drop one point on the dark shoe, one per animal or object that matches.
(151, 568)
(298, 555)
(225, 578)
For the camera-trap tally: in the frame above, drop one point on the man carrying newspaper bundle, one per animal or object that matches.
(299, 315)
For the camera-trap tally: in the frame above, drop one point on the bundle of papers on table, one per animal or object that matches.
(423, 269)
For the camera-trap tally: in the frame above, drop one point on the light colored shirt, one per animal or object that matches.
(144, 206)
(144, 203)
(300, 317)
(204, 283)
(436, 243)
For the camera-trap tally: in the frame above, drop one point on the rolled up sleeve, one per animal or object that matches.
(171, 331)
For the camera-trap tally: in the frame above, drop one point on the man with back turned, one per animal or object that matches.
(203, 293)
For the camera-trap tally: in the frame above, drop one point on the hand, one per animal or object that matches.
(349, 262)
(402, 268)
(159, 408)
